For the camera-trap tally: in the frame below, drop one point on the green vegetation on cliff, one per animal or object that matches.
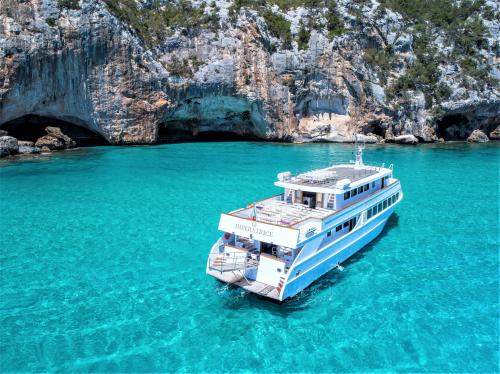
(461, 28)
(154, 23)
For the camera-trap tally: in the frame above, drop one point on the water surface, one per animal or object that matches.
(103, 252)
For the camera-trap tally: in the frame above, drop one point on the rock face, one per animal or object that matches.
(478, 136)
(82, 63)
(54, 140)
(8, 146)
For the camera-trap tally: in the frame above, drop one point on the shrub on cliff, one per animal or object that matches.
(278, 26)
(180, 68)
(303, 37)
(155, 22)
(334, 25)
(381, 60)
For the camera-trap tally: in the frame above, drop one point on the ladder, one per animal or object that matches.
(280, 284)
(331, 201)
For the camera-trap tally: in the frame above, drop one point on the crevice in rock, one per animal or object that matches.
(31, 127)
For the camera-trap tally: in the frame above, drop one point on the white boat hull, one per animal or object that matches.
(330, 257)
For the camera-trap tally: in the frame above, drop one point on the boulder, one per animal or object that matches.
(406, 139)
(368, 138)
(26, 147)
(495, 134)
(57, 133)
(478, 136)
(55, 139)
(8, 146)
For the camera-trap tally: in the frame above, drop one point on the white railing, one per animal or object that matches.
(231, 260)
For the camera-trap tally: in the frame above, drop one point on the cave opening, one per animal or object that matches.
(376, 128)
(183, 133)
(452, 127)
(31, 127)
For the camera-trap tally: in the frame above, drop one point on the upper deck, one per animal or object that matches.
(336, 178)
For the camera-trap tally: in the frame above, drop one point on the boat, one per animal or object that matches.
(278, 246)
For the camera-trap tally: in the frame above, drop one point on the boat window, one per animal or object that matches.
(389, 201)
(373, 184)
(338, 228)
(346, 224)
(347, 195)
(354, 192)
(385, 204)
(366, 187)
(379, 207)
(360, 189)
(329, 233)
(369, 214)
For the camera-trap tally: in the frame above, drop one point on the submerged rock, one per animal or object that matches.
(478, 136)
(8, 146)
(55, 140)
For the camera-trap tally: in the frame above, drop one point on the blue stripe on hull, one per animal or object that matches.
(331, 256)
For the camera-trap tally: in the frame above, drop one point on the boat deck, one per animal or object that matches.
(281, 213)
(236, 278)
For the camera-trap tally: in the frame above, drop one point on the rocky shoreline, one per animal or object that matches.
(54, 140)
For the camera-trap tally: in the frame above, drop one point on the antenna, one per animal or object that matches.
(359, 151)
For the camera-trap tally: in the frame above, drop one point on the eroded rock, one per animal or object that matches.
(55, 140)
(8, 146)
(406, 139)
(495, 134)
(478, 136)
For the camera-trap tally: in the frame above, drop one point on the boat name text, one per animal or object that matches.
(254, 230)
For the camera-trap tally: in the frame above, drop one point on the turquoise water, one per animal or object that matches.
(103, 254)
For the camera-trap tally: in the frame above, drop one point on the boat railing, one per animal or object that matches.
(232, 260)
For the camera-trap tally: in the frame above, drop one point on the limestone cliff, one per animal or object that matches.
(92, 64)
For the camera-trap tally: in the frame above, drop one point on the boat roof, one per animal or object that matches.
(281, 213)
(334, 177)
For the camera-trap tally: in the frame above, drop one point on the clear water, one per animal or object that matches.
(103, 256)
